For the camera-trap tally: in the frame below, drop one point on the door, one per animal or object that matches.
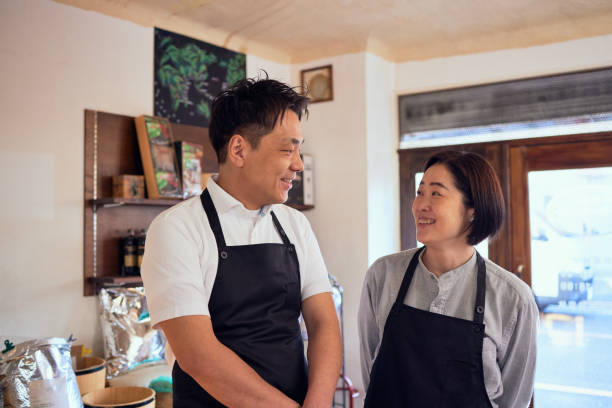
(560, 240)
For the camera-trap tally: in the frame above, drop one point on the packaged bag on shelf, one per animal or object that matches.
(38, 374)
(129, 339)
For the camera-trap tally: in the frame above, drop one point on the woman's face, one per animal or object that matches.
(441, 218)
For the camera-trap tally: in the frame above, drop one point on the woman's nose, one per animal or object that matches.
(421, 203)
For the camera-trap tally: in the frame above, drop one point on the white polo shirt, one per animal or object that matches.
(181, 256)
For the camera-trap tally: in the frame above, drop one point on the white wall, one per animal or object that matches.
(466, 70)
(335, 135)
(57, 61)
(255, 65)
(382, 158)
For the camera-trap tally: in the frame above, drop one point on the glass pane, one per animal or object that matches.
(482, 248)
(570, 213)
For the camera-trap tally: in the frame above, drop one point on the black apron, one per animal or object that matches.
(427, 359)
(254, 307)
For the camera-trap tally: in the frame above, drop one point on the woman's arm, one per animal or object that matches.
(368, 327)
(518, 365)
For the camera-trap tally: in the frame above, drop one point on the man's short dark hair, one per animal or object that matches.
(251, 108)
(479, 185)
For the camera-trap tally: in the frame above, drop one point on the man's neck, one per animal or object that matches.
(232, 185)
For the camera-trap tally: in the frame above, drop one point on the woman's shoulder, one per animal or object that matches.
(507, 284)
(393, 264)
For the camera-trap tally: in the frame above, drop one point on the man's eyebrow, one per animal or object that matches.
(294, 141)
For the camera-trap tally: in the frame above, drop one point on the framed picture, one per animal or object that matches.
(188, 75)
(158, 157)
(318, 83)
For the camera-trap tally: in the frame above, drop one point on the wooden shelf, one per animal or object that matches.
(115, 281)
(111, 148)
(116, 202)
(301, 207)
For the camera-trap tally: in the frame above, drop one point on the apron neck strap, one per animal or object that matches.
(408, 278)
(481, 288)
(213, 218)
(280, 229)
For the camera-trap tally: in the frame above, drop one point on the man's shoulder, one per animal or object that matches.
(185, 214)
(288, 211)
(290, 217)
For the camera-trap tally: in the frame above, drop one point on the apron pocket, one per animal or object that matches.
(460, 384)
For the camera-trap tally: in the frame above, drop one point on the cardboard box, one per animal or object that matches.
(128, 186)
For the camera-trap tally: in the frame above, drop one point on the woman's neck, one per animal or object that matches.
(439, 261)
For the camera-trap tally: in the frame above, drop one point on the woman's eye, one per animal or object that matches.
(419, 193)
(435, 193)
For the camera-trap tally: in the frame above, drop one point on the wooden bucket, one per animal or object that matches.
(124, 397)
(90, 373)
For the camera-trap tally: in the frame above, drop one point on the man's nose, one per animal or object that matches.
(296, 163)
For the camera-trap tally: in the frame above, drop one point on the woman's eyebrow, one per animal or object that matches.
(437, 183)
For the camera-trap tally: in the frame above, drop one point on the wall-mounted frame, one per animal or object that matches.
(318, 83)
(188, 75)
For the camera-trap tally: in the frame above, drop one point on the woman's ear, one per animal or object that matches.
(471, 215)
(236, 150)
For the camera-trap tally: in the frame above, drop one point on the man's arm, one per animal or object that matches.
(324, 349)
(217, 368)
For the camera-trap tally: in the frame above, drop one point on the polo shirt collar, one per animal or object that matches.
(225, 202)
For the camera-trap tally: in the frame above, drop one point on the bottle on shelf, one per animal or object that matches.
(129, 254)
(140, 239)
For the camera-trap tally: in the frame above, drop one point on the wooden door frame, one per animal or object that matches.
(508, 249)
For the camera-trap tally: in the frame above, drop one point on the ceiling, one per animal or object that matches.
(293, 31)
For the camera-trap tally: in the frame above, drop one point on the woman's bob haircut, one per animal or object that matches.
(477, 181)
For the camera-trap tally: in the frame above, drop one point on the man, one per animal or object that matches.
(227, 273)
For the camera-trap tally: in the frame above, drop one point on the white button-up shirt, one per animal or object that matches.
(181, 257)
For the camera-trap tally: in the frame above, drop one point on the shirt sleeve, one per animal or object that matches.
(369, 337)
(171, 271)
(518, 365)
(315, 278)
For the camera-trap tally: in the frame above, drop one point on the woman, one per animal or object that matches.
(440, 326)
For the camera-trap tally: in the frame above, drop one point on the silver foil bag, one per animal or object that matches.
(129, 339)
(39, 374)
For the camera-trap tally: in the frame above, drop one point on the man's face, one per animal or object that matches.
(270, 168)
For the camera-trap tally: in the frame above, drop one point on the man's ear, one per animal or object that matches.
(236, 150)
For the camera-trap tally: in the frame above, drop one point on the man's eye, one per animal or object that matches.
(435, 193)
(419, 192)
